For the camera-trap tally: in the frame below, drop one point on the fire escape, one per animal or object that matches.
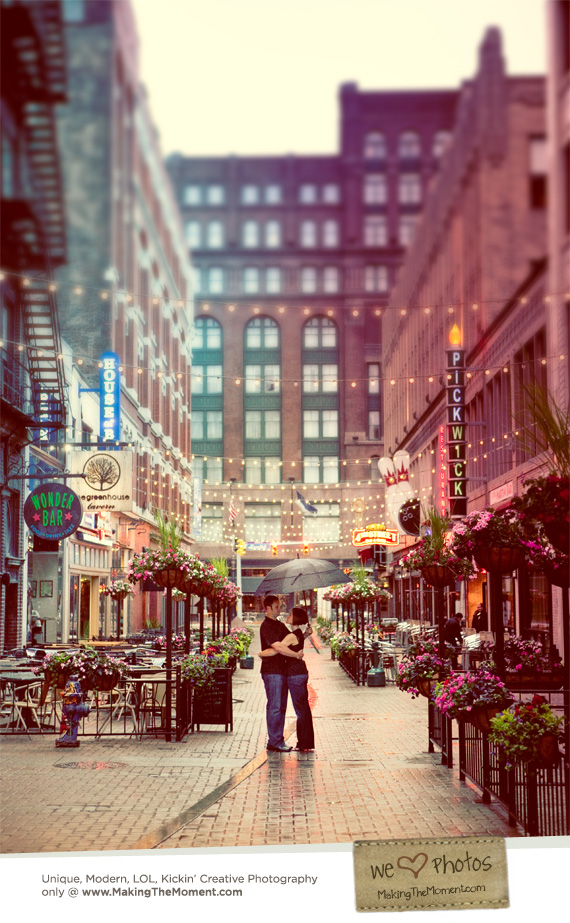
(33, 77)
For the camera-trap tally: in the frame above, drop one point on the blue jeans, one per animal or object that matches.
(276, 692)
(300, 698)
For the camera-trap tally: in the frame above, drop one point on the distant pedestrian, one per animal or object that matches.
(480, 622)
(274, 673)
(453, 637)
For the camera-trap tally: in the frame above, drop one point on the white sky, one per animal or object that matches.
(262, 76)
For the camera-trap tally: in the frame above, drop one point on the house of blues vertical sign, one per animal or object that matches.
(110, 398)
(456, 430)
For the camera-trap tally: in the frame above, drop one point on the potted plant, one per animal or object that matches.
(343, 643)
(493, 537)
(421, 668)
(529, 667)
(433, 557)
(527, 732)
(243, 638)
(94, 669)
(550, 560)
(476, 696)
(117, 589)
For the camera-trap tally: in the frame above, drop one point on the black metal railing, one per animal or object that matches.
(356, 664)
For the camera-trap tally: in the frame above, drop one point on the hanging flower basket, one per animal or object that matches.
(481, 716)
(548, 752)
(528, 732)
(426, 687)
(557, 534)
(438, 575)
(476, 696)
(117, 589)
(170, 578)
(501, 559)
(529, 681)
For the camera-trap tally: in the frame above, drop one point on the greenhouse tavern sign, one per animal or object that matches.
(53, 511)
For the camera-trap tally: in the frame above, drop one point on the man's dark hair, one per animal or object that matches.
(300, 616)
(269, 600)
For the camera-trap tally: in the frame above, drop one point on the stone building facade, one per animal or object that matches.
(294, 260)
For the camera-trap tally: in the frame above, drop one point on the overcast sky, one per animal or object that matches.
(262, 76)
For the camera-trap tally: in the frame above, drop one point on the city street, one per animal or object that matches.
(370, 776)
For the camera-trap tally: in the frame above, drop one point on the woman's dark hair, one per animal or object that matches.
(300, 616)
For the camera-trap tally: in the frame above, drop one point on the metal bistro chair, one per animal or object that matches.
(120, 705)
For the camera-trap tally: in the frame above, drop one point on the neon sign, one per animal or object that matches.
(110, 398)
(375, 534)
(456, 433)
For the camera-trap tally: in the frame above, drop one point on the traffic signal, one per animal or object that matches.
(239, 546)
(274, 549)
(306, 548)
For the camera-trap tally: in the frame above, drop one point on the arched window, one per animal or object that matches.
(319, 333)
(250, 234)
(207, 334)
(374, 146)
(262, 333)
(409, 145)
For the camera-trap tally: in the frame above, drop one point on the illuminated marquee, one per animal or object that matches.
(110, 398)
(375, 534)
(456, 432)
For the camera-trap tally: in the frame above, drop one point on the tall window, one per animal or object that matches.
(320, 424)
(319, 332)
(308, 280)
(262, 333)
(538, 169)
(250, 234)
(376, 278)
(374, 146)
(192, 194)
(210, 470)
(326, 526)
(308, 234)
(375, 231)
(215, 194)
(273, 234)
(307, 194)
(193, 231)
(261, 469)
(206, 379)
(331, 279)
(215, 280)
(251, 280)
(373, 378)
(410, 189)
(406, 229)
(215, 234)
(262, 424)
(440, 143)
(249, 195)
(320, 469)
(273, 194)
(374, 424)
(330, 233)
(375, 189)
(207, 334)
(320, 378)
(262, 522)
(331, 194)
(273, 280)
(409, 145)
(262, 379)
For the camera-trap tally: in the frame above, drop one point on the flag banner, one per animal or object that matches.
(305, 505)
(233, 511)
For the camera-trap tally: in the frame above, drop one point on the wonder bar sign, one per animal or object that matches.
(110, 398)
(375, 534)
(52, 511)
(456, 431)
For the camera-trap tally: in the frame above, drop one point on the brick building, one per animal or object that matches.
(126, 288)
(294, 258)
(32, 394)
(479, 260)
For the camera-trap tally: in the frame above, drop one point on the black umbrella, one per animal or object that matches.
(301, 574)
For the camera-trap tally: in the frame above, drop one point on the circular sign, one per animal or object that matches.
(53, 511)
(409, 517)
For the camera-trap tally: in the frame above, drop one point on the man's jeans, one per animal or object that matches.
(276, 692)
(300, 698)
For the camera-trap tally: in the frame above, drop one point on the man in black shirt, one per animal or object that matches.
(274, 673)
(453, 637)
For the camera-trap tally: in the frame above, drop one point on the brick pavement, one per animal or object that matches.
(370, 776)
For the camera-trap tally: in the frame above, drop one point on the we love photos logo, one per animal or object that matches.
(442, 874)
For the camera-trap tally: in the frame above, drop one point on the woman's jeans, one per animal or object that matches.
(300, 698)
(276, 692)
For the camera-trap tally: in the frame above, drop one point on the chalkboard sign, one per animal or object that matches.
(214, 704)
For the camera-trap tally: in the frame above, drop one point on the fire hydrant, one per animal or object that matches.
(74, 708)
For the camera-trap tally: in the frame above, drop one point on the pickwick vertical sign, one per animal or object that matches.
(456, 427)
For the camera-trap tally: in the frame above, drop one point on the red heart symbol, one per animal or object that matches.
(410, 868)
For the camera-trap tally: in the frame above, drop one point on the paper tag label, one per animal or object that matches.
(440, 874)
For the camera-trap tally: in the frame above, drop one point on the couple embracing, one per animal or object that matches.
(284, 671)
